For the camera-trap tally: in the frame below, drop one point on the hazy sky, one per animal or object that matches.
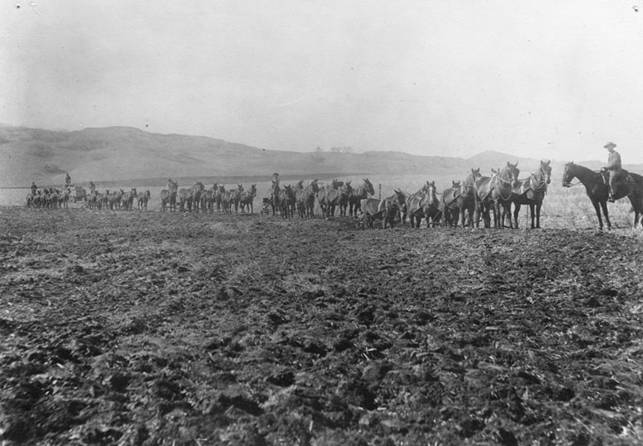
(539, 78)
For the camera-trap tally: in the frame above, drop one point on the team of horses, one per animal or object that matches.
(49, 198)
(299, 199)
(468, 202)
(200, 198)
(473, 200)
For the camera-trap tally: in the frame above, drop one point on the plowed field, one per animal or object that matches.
(150, 328)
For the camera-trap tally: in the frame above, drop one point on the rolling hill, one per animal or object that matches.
(124, 153)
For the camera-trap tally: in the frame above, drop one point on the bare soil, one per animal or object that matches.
(150, 328)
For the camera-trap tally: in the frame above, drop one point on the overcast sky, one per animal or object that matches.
(545, 79)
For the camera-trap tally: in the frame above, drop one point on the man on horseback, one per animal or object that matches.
(67, 180)
(34, 188)
(613, 168)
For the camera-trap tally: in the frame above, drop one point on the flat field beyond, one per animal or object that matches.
(151, 328)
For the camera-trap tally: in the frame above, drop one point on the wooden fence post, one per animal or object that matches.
(379, 194)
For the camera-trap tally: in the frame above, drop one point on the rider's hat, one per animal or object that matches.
(609, 145)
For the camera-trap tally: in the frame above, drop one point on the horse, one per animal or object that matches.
(143, 199)
(226, 202)
(305, 198)
(531, 191)
(185, 199)
(415, 206)
(595, 187)
(432, 207)
(502, 193)
(467, 201)
(172, 187)
(485, 204)
(63, 197)
(80, 194)
(424, 204)
(345, 192)
(369, 212)
(287, 201)
(275, 192)
(197, 189)
(450, 207)
(235, 196)
(114, 199)
(127, 199)
(207, 200)
(165, 199)
(392, 207)
(630, 185)
(358, 194)
(247, 198)
(328, 197)
(219, 195)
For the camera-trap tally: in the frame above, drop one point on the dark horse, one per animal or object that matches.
(358, 194)
(172, 187)
(597, 190)
(275, 193)
(531, 191)
(391, 208)
(449, 204)
(467, 199)
(630, 185)
(502, 193)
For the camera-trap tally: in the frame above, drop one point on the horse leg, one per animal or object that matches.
(597, 208)
(607, 219)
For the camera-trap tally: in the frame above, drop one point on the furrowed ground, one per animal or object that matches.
(150, 328)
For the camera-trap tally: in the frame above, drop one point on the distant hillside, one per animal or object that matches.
(122, 153)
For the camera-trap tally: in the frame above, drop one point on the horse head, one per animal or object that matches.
(513, 172)
(369, 186)
(545, 168)
(568, 175)
(430, 189)
(399, 194)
